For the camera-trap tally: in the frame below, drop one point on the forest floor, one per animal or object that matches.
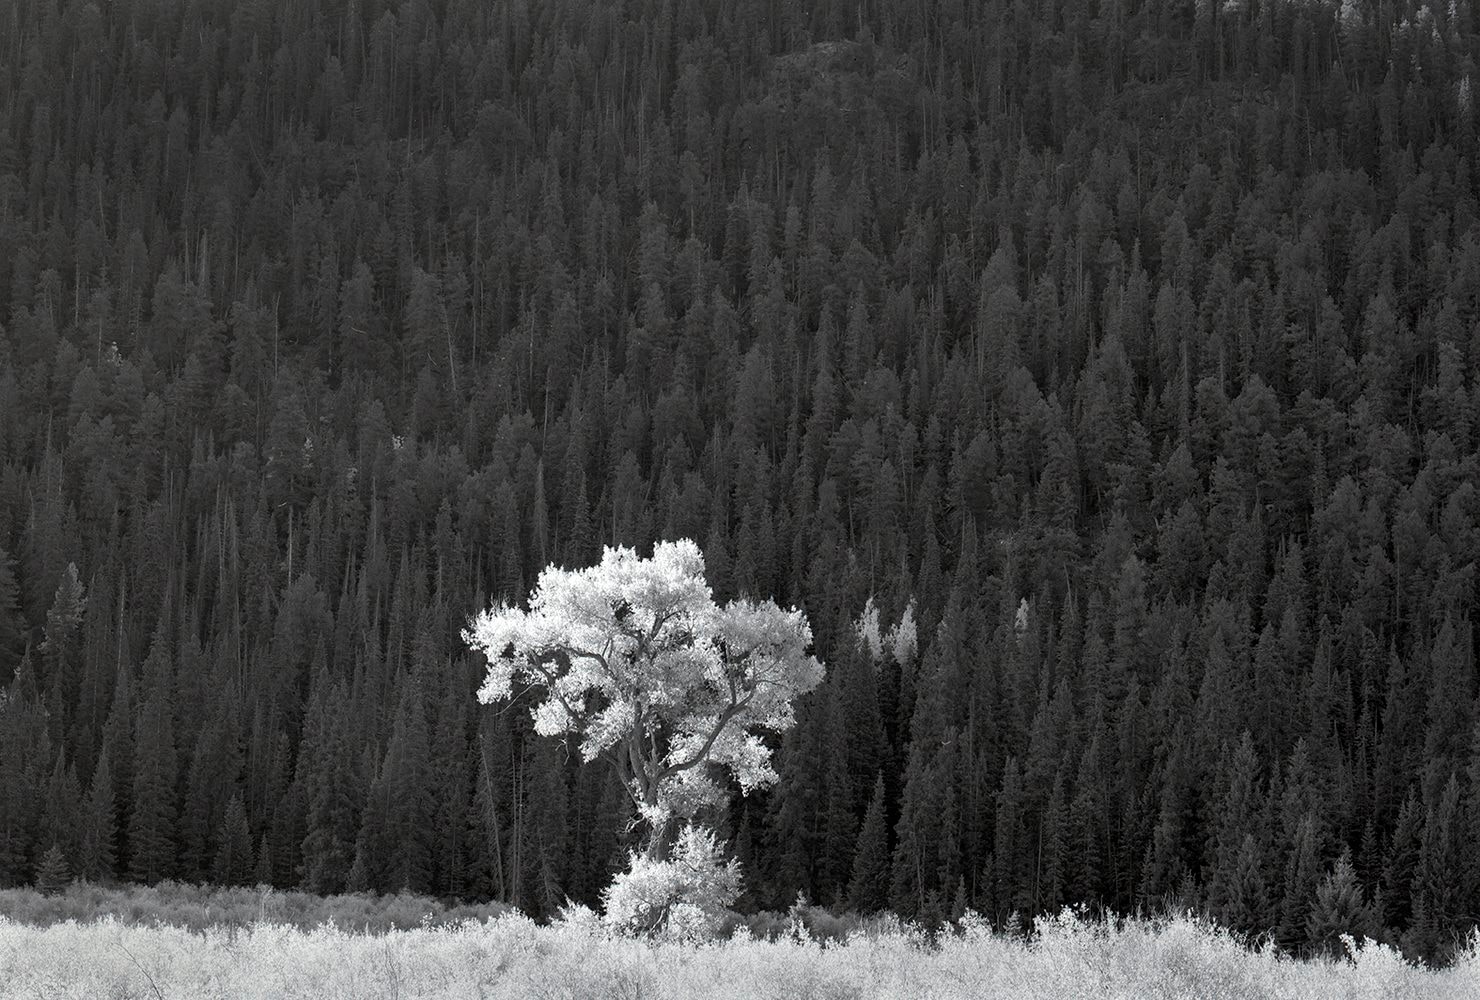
(510, 956)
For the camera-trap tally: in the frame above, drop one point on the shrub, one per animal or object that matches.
(199, 908)
(685, 897)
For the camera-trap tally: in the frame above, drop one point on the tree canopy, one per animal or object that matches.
(635, 657)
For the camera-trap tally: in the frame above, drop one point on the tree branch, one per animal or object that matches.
(731, 710)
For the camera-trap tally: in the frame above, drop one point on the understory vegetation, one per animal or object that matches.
(511, 957)
(210, 908)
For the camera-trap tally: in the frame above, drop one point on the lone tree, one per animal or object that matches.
(636, 657)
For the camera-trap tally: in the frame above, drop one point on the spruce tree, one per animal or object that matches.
(1238, 813)
(26, 761)
(406, 772)
(839, 824)
(333, 803)
(1247, 906)
(393, 849)
(1400, 864)
(262, 870)
(868, 888)
(214, 776)
(798, 808)
(98, 855)
(451, 782)
(1338, 909)
(233, 861)
(1006, 887)
(13, 626)
(53, 874)
(914, 867)
(61, 817)
(1439, 898)
(60, 645)
(151, 827)
(1298, 888)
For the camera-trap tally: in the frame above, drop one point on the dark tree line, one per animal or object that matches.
(1134, 345)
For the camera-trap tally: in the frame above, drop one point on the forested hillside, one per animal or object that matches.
(1130, 350)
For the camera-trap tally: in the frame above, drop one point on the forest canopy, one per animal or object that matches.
(1127, 350)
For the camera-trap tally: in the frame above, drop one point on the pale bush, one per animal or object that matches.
(685, 897)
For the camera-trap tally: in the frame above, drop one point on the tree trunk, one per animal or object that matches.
(659, 841)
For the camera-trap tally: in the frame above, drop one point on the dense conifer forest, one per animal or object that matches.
(1128, 349)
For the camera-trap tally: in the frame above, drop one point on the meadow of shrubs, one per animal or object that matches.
(178, 941)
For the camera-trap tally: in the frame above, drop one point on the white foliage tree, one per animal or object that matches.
(902, 641)
(685, 896)
(867, 627)
(635, 657)
(904, 638)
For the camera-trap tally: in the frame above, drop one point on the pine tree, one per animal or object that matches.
(393, 850)
(451, 776)
(63, 621)
(916, 852)
(26, 762)
(61, 817)
(868, 888)
(13, 627)
(1083, 846)
(233, 862)
(151, 828)
(798, 809)
(1338, 909)
(858, 694)
(98, 856)
(839, 824)
(1246, 909)
(1053, 839)
(215, 770)
(541, 858)
(1299, 886)
(1006, 885)
(288, 449)
(53, 874)
(1400, 863)
(1439, 900)
(333, 803)
(262, 871)
(1237, 813)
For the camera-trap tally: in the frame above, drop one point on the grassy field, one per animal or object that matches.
(509, 956)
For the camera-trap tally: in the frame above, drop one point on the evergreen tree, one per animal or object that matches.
(1247, 908)
(233, 862)
(61, 817)
(1339, 909)
(26, 761)
(915, 866)
(52, 872)
(393, 850)
(98, 855)
(1439, 896)
(154, 813)
(1399, 865)
(1299, 887)
(13, 628)
(63, 621)
(839, 824)
(262, 871)
(868, 887)
(333, 803)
